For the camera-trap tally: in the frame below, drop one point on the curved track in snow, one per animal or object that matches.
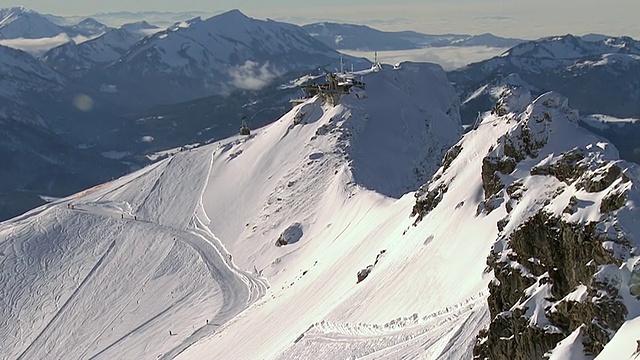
(240, 288)
(136, 225)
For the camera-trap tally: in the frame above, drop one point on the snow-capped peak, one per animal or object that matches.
(572, 47)
(19, 22)
(222, 54)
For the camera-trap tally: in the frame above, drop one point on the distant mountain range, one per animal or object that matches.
(135, 90)
(76, 60)
(85, 100)
(599, 75)
(116, 19)
(568, 64)
(20, 22)
(364, 38)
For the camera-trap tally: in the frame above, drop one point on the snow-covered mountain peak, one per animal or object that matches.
(219, 55)
(185, 24)
(568, 47)
(229, 17)
(233, 36)
(10, 14)
(77, 59)
(92, 23)
(388, 138)
(20, 22)
(137, 26)
(567, 64)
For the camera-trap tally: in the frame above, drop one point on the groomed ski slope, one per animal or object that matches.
(107, 273)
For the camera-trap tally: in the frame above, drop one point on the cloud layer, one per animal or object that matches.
(252, 76)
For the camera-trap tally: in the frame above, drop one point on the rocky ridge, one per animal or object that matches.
(565, 259)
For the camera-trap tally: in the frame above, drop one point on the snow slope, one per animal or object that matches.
(109, 272)
(424, 295)
(19, 22)
(111, 269)
(317, 207)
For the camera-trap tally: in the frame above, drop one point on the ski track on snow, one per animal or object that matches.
(239, 288)
(71, 298)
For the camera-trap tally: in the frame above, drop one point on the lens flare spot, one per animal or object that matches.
(83, 102)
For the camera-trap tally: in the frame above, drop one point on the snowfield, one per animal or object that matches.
(112, 268)
(293, 242)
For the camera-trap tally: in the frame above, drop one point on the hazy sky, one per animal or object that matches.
(515, 18)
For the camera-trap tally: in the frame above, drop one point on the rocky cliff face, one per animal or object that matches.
(567, 239)
(556, 270)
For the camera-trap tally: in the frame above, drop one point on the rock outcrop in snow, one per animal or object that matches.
(566, 236)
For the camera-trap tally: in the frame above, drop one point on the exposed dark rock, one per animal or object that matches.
(290, 235)
(602, 178)
(613, 201)
(634, 281)
(607, 312)
(548, 250)
(567, 167)
(451, 155)
(515, 190)
(490, 179)
(522, 143)
(425, 202)
(571, 207)
(362, 274)
(488, 205)
(379, 256)
(502, 223)
(517, 340)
